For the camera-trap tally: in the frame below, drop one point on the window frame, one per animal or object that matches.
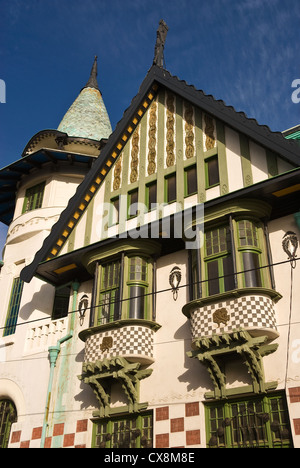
(106, 438)
(129, 203)
(34, 196)
(151, 206)
(167, 179)
(229, 437)
(134, 282)
(56, 297)
(13, 307)
(188, 169)
(114, 212)
(208, 160)
(114, 290)
(219, 258)
(251, 249)
(8, 407)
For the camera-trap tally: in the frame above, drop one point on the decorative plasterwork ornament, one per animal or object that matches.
(290, 246)
(82, 307)
(152, 139)
(170, 124)
(209, 132)
(117, 174)
(102, 374)
(209, 350)
(134, 156)
(189, 131)
(174, 280)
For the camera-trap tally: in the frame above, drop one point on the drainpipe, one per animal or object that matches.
(53, 355)
(297, 218)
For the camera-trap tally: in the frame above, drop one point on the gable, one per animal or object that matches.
(168, 128)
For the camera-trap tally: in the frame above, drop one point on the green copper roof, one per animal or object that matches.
(87, 117)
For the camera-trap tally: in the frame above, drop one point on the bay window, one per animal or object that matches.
(108, 293)
(123, 289)
(233, 256)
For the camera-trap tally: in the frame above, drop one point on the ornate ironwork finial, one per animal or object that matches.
(160, 44)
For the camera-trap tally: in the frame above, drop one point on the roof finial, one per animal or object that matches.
(92, 83)
(160, 44)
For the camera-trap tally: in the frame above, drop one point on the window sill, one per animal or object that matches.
(196, 303)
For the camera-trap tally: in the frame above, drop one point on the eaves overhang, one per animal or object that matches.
(11, 175)
(281, 193)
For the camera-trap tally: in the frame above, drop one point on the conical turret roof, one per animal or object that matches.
(87, 117)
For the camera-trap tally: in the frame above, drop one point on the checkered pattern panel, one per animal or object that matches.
(129, 340)
(243, 312)
(178, 426)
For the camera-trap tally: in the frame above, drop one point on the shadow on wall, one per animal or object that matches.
(196, 376)
(41, 301)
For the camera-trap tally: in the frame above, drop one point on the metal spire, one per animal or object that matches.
(92, 83)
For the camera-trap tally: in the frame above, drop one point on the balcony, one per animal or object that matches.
(250, 309)
(130, 339)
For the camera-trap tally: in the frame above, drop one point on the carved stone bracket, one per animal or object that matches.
(252, 350)
(101, 374)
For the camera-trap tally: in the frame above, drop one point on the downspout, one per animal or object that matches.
(297, 218)
(53, 355)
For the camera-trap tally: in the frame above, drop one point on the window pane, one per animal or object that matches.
(34, 197)
(138, 269)
(115, 209)
(152, 195)
(213, 171)
(137, 302)
(109, 293)
(171, 188)
(191, 180)
(13, 308)
(212, 276)
(228, 271)
(8, 415)
(133, 200)
(248, 234)
(61, 303)
(251, 262)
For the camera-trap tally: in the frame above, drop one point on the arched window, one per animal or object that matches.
(8, 415)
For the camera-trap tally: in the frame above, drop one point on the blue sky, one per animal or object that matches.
(245, 52)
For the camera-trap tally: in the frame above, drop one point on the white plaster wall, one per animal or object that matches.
(287, 309)
(259, 162)
(233, 157)
(176, 378)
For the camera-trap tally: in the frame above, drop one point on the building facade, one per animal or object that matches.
(149, 278)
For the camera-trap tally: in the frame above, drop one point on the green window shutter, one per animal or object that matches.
(13, 308)
(34, 198)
